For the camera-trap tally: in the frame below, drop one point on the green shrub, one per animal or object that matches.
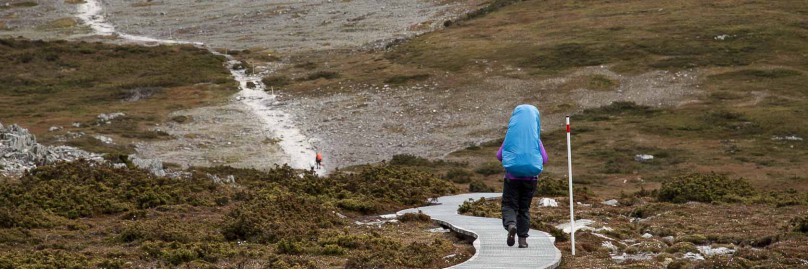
(390, 254)
(44, 259)
(617, 108)
(276, 209)
(645, 211)
(333, 250)
(682, 247)
(167, 229)
(409, 160)
(322, 74)
(179, 253)
(479, 186)
(693, 238)
(703, 188)
(789, 197)
(290, 247)
(540, 225)
(490, 168)
(276, 81)
(417, 161)
(481, 208)
(548, 186)
(82, 189)
(420, 217)
(273, 215)
(799, 224)
(363, 206)
(458, 175)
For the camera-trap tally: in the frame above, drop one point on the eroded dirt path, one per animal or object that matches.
(250, 131)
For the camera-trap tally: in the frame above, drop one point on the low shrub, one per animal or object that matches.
(459, 175)
(290, 247)
(44, 259)
(548, 186)
(645, 211)
(178, 253)
(799, 224)
(490, 168)
(284, 210)
(703, 188)
(419, 217)
(276, 81)
(693, 238)
(481, 208)
(386, 254)
(272, 215)
(617, 108)
(322, 74)
(682, 247)
(409, 160)
(417, 161)
(479, 186)
(83, 189)
(540, 225)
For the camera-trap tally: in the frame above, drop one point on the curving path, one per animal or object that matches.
(492, 252)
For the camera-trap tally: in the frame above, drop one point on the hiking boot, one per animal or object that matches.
(522, 242)
(511, 235)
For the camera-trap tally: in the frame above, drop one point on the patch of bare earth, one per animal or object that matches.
(359, 123)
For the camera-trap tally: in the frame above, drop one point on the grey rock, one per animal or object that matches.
(693, 256)
(21, 152)
(230, 179)
(155, 167)
(643, 157)
(709, 251)
(611, 202)
(104, 139)
(107, 118)
(787, 138)
(547, 202)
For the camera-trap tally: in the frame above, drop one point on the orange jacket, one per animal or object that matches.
(319, 157)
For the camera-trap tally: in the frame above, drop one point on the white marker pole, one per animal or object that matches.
(569, 173)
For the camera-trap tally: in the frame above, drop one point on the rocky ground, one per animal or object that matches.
(212, 136)
(369, 123)
(39, 19)
(19, 152)
(359, 123)
(277, 25)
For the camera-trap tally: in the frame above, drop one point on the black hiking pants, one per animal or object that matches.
(516, 198)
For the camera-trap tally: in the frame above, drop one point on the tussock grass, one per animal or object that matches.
(557, 35)
(43, 84)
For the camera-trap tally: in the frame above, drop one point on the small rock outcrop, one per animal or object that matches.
(19, 151)
(155, 167)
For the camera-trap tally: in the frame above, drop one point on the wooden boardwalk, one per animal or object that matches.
(492, 252)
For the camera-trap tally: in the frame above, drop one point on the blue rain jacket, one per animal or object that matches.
(521, 155)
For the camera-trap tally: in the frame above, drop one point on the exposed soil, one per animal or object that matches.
(369, 123)
(219, 135)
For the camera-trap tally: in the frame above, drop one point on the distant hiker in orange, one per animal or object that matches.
(319, 160)
(523, 157)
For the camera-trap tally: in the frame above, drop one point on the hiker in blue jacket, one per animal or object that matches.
(523, 157)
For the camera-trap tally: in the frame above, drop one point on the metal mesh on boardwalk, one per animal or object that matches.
(492, 252)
